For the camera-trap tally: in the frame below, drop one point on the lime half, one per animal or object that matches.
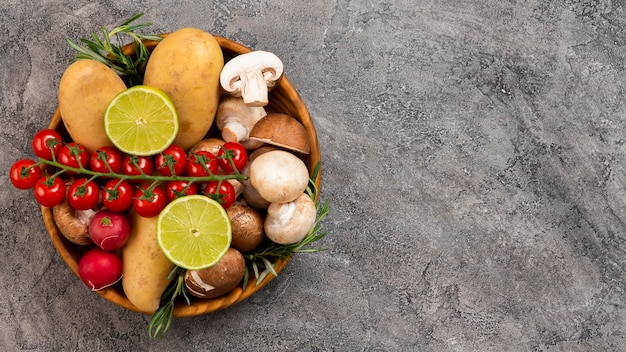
(141, 120)
(194, 232)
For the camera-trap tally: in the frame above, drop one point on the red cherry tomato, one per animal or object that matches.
(46, 142)
(136, 165)
(24, 175)
(149, 202)
(226, 194)
(49, 191)
(202, 163)
(238, 154)
(83, 195)
(177, 189)
(173, 158)
(103, 156)
(117, 195)
(73, 155)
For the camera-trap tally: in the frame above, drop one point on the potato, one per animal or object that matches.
(218, 279)
(85, 90)
(186, 65)
(145, 267)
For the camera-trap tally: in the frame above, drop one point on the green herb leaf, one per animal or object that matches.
(111, 53)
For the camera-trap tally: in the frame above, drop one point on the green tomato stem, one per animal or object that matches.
(143, 177)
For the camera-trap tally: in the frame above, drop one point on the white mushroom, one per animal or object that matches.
(235, 119)
(251, 76)
(279, 176)
(288, 223)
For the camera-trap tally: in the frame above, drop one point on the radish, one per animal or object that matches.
(99, 268)
(109, 230)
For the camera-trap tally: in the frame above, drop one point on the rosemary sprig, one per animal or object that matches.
(112, 53)
(161, 319)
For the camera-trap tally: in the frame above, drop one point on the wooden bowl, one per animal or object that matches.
(283, 98)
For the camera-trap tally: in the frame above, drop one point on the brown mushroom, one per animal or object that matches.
(73, 224)
(281, 130)
(218, 279)
(247, 227)
(211, 145)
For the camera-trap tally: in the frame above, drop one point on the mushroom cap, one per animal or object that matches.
(250, 194)
(247, 227)
(73, 224)
(218, 279)
(211, 145)
(279, 176)
(288, 223)
(281, 130)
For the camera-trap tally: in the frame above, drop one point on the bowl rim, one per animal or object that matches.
(70, 253)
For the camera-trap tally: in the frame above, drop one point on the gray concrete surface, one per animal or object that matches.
(473, 155)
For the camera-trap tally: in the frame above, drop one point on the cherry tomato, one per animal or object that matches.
(45, 142)
(83, 195)
(49, 191)
(136, 165)
(226, 195)
(24, 175)
(173, 155)
(177, 189)
(117, 195)
(103, 156)
(71, 154)
(149, 202)
(202, 163)
(238, 154)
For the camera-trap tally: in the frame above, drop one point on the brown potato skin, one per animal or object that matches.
(186, 65)
(145, 268)
(85, 90)
(223, 276)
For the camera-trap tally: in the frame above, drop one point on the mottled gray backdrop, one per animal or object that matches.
(473, 157)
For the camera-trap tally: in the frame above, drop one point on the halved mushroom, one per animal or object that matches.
(279, 176)
(235, 119)
(288, 223)
(251, 76)
(281, 130)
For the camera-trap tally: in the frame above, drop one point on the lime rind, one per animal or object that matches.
(153, 132)
(194, 232)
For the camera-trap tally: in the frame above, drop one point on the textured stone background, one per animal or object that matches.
(473, 156)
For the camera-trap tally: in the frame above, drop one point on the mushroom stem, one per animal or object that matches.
(235, 119)
(253, 87)
(251, 76)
